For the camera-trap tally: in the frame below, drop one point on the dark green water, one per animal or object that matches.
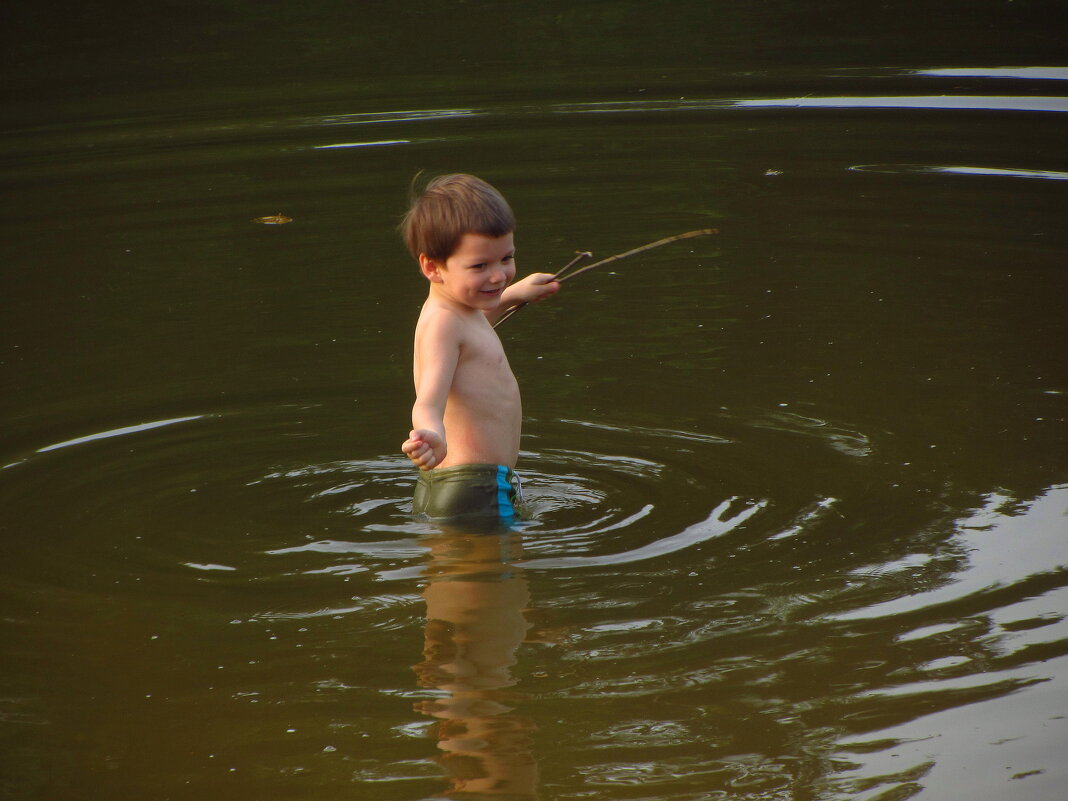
(799, 491)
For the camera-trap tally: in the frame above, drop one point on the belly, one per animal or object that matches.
(483, 429)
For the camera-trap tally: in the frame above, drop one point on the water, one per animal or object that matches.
(797, 491)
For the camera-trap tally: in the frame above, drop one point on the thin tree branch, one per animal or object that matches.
(658, 243)
(579, 256)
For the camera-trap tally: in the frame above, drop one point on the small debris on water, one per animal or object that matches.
(273, 219)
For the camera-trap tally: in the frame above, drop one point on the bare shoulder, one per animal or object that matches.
(441, 328)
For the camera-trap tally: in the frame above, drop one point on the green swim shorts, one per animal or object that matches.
(486, 491)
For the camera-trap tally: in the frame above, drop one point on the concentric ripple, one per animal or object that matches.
(595, 494)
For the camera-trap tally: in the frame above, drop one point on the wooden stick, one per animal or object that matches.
(579, 256)
(511, 310)
(658, 243)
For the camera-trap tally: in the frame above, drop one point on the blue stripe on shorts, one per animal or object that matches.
(504, 492)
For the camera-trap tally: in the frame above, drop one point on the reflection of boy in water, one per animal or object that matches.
(475, 623)
(460, 230)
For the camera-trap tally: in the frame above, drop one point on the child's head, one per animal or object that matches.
(449, 207)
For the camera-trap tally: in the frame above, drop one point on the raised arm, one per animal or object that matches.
(535, 287)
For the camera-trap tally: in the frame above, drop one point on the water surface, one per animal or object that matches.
(796, 493)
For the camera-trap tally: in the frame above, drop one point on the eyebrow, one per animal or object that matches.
(476, 260)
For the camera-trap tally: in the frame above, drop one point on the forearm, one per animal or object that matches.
(535, 287)
(514, 294)
(428, 417)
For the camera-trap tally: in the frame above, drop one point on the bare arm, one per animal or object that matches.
(535, 287)
(437, 352)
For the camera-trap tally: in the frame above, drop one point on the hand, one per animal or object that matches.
(535, 287)
(426, 448)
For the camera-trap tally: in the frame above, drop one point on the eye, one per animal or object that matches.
(509, 258)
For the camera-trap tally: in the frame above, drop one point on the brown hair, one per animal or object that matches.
(449, 207)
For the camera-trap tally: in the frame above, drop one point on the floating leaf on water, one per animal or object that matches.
(273, 219)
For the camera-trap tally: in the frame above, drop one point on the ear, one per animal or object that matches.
(430, 268)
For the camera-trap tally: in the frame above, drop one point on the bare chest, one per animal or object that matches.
(483, 366)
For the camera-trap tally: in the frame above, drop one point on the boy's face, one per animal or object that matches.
(476, 273)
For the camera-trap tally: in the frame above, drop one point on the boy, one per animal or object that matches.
(467, 414)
